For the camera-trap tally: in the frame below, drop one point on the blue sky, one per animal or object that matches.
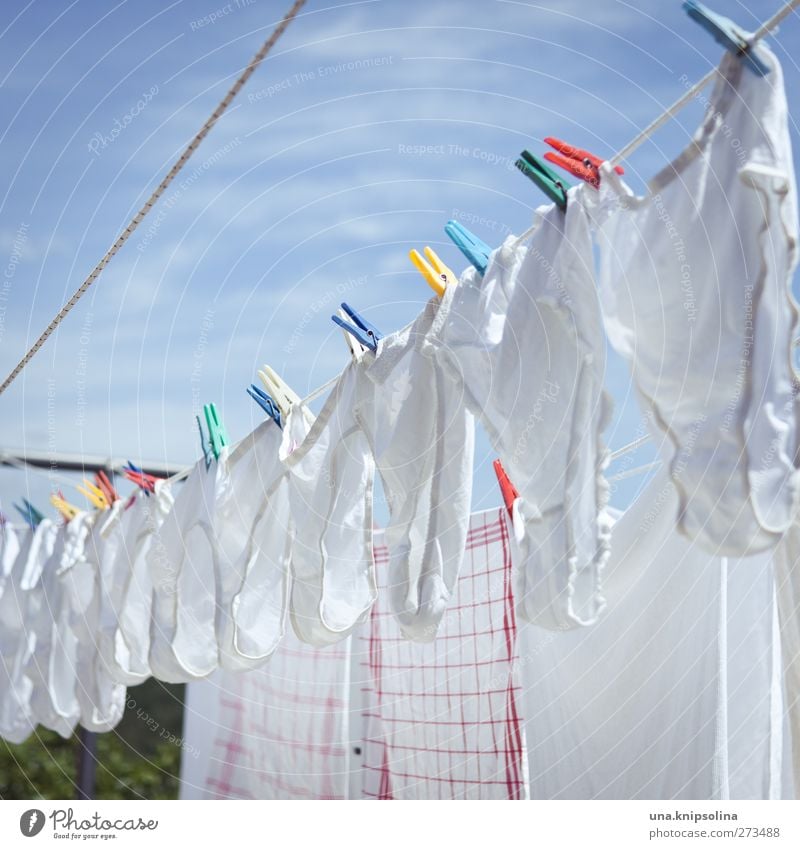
(369, 127)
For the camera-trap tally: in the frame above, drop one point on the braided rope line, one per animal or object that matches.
(159, 190)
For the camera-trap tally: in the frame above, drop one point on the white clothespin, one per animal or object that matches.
(282, 394)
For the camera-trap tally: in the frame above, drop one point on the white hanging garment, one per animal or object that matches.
(101, 697)
(183, 567)
(527, 341)
(9, 549)
(695, 285)
(67, 587)
(276, 732)
(124, 630)
(330, 481)
(674, 693)
(254, 538)
(19, 607)
(422, 438)
(787, 579)
(444, 718)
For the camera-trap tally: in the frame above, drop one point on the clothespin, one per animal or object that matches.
(102, 481)
(95, 495)
(437, 275)
(366, 333)
(67, 510)
(545, 178)
(507, 489)
(473, 248)
(29, 513)
(356, 348)
(217, 435)
(283, 394)
(266, 403)
(145, 482)
(204, 444)
(579, 162)
(727, 33)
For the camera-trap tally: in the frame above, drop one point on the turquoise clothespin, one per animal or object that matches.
(726, 32)
(217, 435)
(474, 249)
(545, 178)
(29, 513)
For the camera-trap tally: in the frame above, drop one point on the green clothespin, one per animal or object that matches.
(29, 513)
(545, 178)
(217, 435)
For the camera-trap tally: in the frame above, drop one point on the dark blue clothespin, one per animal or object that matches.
(473, 248)
(366, 333)
(266, 403)
(727, 33)
(545, 178)
(204, 444)
(29, 513)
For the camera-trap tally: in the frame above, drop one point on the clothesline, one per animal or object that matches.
(672, 110)
(766, 27)
(159, 190)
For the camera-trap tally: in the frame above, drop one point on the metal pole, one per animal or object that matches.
(87, 763)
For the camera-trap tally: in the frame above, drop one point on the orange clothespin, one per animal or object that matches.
(579, 162)
(103, 483)
(507, 489)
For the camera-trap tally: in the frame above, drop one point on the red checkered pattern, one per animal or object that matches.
(282, 728)
(442, 718)
(438, 720)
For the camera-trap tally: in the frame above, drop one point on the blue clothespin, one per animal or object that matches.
(266, 403)
(726, 32)
(545, 178)
(29, 513)
(366, 333)
(203, 442)
(473, 248)
(217, 435)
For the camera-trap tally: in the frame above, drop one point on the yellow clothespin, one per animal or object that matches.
(67, 510)
(437, 275)
(282, 394)
(95, 495)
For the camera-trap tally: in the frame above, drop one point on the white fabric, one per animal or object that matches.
(330, 482)
(673, 694)
(422, 438)
(254, 537)
(19, 606)
(695, 285)
(278, 732)
(124, 629)
(527, 341)
(787, 577)
(183, 568)
(9, 549)
(101, 697)
(67, 583)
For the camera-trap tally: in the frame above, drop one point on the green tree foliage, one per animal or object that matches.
(140, 759)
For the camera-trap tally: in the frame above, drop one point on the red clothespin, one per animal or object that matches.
(140, 478)
(106, 487)
(508, 490)
(579, 162)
